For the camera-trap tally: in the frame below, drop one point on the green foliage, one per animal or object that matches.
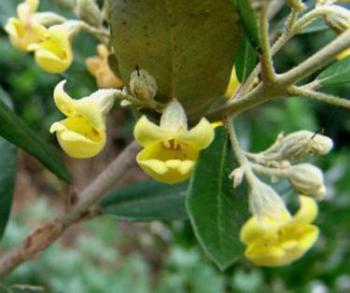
(337, 74)
(217, 211)
(13, 129)
(246, 59)
(147, 201)
(249, 21)
(188, 46)
(7, 175)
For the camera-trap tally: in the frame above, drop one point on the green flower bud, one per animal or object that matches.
(307, 180)
(142, 85)
(88, 11)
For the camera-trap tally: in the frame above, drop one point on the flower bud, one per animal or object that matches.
(88, 11)
(237, 177)
(142, 85)
(265, 203)
(65, 4)
(299, 145)
(297, 5)
(307, 180)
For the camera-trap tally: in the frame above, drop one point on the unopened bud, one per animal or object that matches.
(297, 5)
(88, 11)
(307, 180)
(65, 4)
(299, 145)
(265, 202)
(237, 177)
(125, 103)
(48, 18)
(174, 117)
(338, 18)
(142, 85)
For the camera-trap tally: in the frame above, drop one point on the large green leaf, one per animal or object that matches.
(13, 129)
(249, 21)
(216, 210)
(246, 59)
(8, 156)
(188, 46)
(337, 74)
(147, 201)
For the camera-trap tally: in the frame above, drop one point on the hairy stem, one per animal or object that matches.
(322, 97)
(268, 71)
(44, 236)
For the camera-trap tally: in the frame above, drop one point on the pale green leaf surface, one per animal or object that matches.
(216, 210)
(147, 201)
(188, 46)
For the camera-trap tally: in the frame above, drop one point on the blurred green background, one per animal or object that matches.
(108, 256)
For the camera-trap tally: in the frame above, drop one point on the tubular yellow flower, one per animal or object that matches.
(171, 150)
(54, 52)
(83, 133)
(98, 66)
(276, 243)
(20, 29)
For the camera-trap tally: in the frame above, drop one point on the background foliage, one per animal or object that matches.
(106, 255)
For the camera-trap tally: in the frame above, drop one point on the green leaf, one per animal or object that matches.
(147, 201)
(216, 210)
(337, 74)
(246, 59)
(8, 158)
(13, 129)
(188, 46)
(248, 18)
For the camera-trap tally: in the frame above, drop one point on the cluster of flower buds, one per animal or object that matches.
(274, 237)
(296, 146)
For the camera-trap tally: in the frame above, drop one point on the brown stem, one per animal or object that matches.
(44, 236)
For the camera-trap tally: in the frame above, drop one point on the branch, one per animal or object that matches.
(322, 97)
(318, 60)
(267, 69)
(45, 235)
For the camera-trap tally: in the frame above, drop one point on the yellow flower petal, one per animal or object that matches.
(167, 165)
(54, 53)
(63, 101)
(344, 54)
(78, 138)
(232, 85)
(83, 133)
(307, 212)
(21, 35)
(147, 133)
(98, 66)
(276, 243)
(200, 136)
(26, 9)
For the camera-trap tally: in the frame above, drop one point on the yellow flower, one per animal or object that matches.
(171, 150)
(272, 242)
(83, 133)
(344, 54)
(20, 29)
(54, 52)
(232, 85)
(98, 66)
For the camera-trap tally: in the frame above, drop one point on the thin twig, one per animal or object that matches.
(44, 236)
(322, 97)
(267, 69)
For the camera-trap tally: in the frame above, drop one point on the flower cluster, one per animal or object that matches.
(272, 236)
(49, 37)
